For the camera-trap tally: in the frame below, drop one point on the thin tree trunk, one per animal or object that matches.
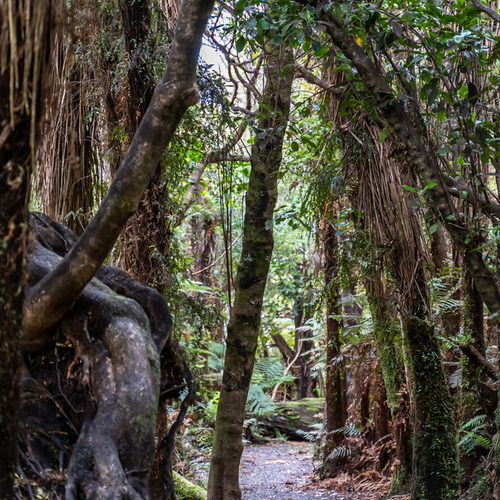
(244, 323)
(335, 388)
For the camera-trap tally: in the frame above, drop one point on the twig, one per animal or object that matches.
(218, 258)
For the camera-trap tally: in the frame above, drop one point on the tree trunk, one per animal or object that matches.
(388, 339)
(257, 247)
(146, 237)
(24, 26)
(335, 389)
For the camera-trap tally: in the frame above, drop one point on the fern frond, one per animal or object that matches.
(340, 452)
(349, 430)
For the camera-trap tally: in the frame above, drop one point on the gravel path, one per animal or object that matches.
(281, 471)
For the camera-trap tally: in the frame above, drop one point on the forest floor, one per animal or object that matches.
(285, 470)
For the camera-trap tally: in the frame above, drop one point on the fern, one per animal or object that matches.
(258, 403)
(349, 430)
(268, 372)
(339, 453)
(313, 435)
(442, 295)
(472, 435)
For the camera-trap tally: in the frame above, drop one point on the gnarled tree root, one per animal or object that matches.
(108, 389)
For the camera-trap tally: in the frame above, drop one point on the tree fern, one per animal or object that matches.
(339, 453)
(268, 372)
(349, 430)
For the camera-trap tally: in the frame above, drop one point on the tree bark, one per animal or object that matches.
(21, 94)
(257, 247)
(335, 390)
(56, 293)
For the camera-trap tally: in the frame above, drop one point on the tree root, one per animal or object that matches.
(108, 388)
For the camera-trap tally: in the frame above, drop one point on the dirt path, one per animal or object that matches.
(281, 471)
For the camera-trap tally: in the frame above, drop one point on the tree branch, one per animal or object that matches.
(310, 77)
(421, 153)
(55, 294)
(213, 157)
(471, 352)
(487, 10)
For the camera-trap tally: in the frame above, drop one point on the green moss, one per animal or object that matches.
(186, 490)
(398, 481)
(435, 454)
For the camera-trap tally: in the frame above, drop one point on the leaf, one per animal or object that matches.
(240, 7)
(432, 96)
(433, 228)
(444, 151)
(240, 43)
(409, 188)
(382, 135)
(294, 146)
(252, 23)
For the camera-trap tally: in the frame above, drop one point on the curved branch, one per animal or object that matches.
(56, 293)
(213, 157)
(487, 10)
(421, 153)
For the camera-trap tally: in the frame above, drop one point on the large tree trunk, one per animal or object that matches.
(146, 237)
(392, 224)
(117, 328)
(55, 294)
(23, 26)
(244, 323)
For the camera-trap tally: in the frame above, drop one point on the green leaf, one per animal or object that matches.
(433, 228)
(409, 188)
(294, 146)
(382, 135)
(240, 7)
(264, 23)
(441, 116)
(444, 151)
(240, 43)
(252, 23)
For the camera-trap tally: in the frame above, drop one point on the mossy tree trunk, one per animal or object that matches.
(147, 234)
(435, 462)
(388, 338)
(388, 215)
(253, 268)
(115, 446)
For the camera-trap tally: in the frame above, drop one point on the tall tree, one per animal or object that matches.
(257, 247)
(27, 33)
